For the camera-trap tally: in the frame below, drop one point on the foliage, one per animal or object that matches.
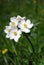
(21, 53)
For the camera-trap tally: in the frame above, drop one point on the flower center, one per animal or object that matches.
(9, 30)
(13, 23)
(15, 33)
(25, 25)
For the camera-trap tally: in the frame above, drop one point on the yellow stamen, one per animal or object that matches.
(4, 51)
(13, 23)
(25, 25)
(15, 33)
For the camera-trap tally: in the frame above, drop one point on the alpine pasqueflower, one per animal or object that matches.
(13, 22)
(15, 34)
(25, 26)
(17, 25)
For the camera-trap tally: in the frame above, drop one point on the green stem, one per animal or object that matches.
(29, 41)
(11, 60)
(5, 60)
(16, 55)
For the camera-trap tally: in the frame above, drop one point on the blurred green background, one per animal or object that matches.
(21, 53)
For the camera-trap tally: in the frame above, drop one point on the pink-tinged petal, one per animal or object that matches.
(26, 30)
(28, 21)
(30, 26)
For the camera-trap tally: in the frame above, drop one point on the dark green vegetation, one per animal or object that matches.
(21, 53)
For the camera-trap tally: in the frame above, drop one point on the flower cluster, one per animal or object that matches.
(17, 25)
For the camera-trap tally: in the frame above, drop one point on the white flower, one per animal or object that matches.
(15, 34)
(13, 22)
(7, 31)
(16, 26)
(25, 25)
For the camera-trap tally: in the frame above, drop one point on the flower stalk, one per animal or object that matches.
(29, 41)
(5, 60)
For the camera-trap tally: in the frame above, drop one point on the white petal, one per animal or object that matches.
(11, 35)
(28, 21)
(8, 27)
(19, 32)
(12, 18)
(16, 39)
(7, 36)
(6, 31)
(18, 17)
(26, 30)
(30, 25)
(23, 21)
(20, 25)
(23, 17)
